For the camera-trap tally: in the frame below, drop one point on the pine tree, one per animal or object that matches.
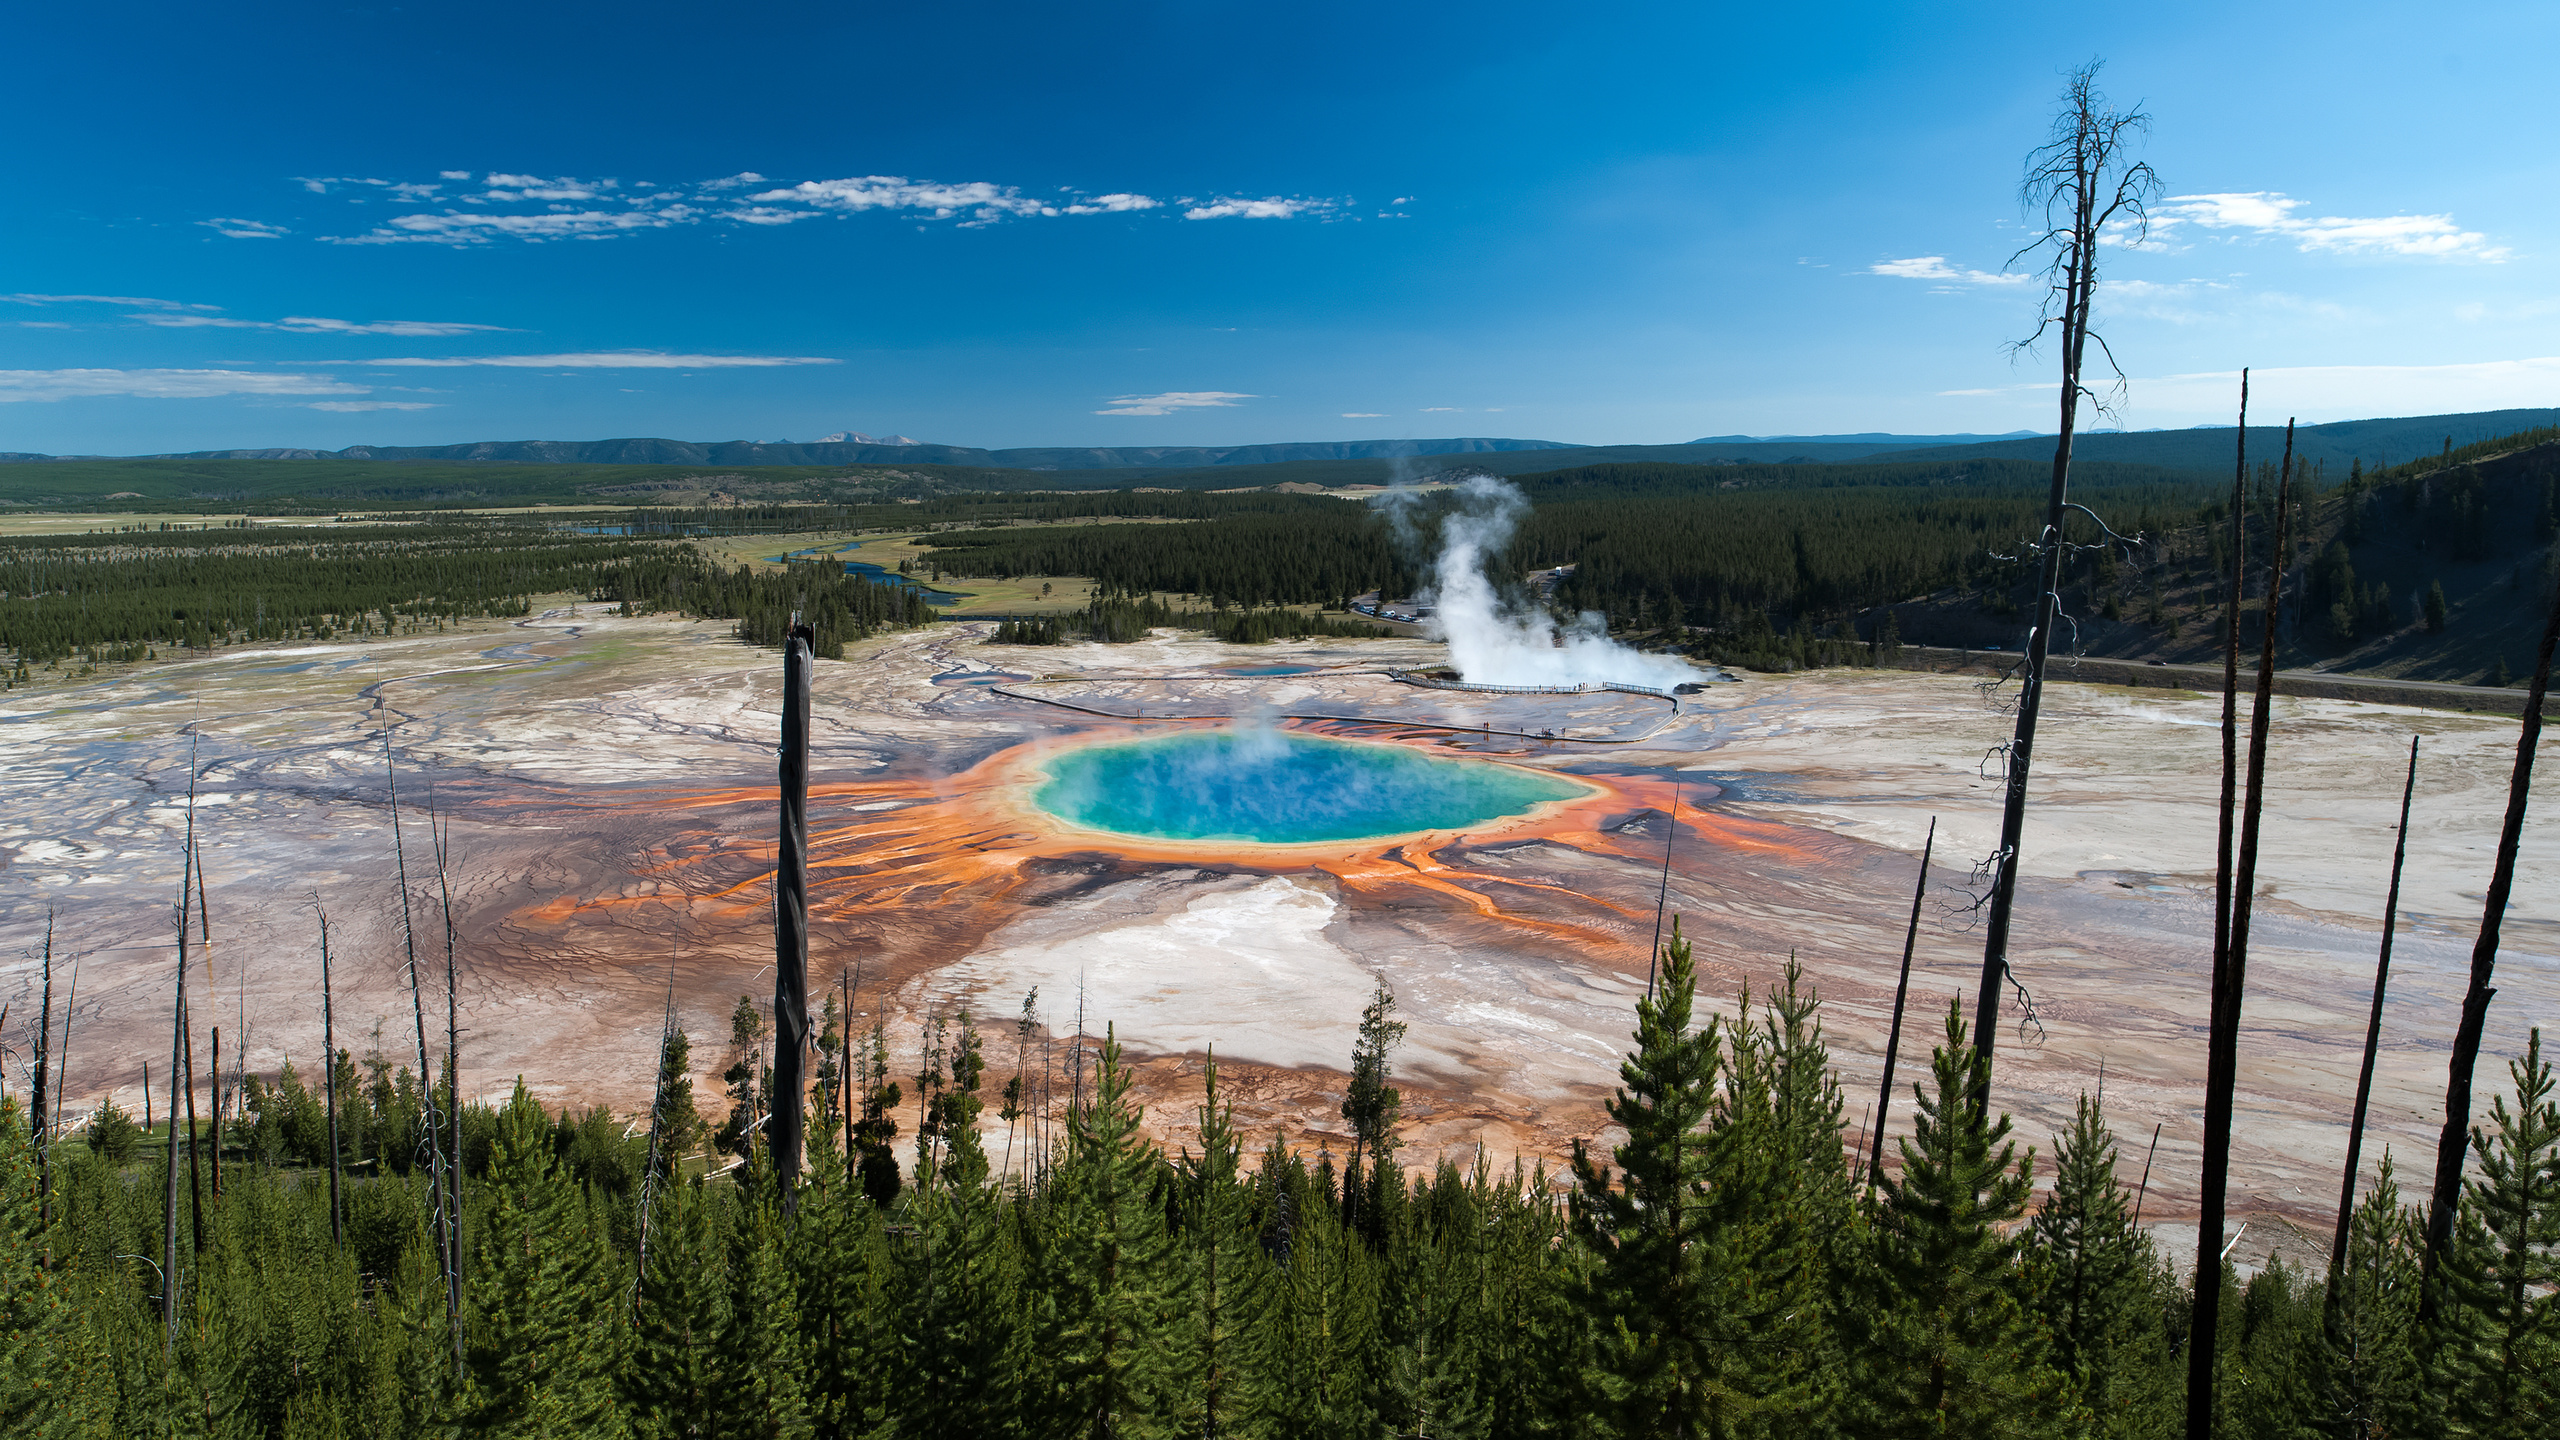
(849, 1310)
(1944, 1338)
(1227, 1272)
(1372, 1106)
(35, 1322)
(543, 1331)
(2374, 1380)
(762, 1359)
(2095, 1285)
(672, 1385)
(1319, 1334)
(878, 1127)
(1113, 1286)
(959, 1329)
(2498, 1356)
(1648, 1222)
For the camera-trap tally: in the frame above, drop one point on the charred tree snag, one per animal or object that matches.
(2230, 983)
(791, 919)
(2373, 1028)
(2086, 188)
(1901, 993)
(2484, 962)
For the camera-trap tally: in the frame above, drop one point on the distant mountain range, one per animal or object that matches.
(2204, 450)
(858, 449)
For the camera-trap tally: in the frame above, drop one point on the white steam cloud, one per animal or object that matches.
(1496, 642)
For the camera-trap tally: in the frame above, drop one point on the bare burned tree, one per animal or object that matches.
(2451, 1148)
(2088, 192)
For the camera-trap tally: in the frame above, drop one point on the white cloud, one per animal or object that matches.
(534, 187)
(1171, 401)
(1112, 205)
(141, 300)
(398, 189)
(1936, 270)
(610, 360)
(246, 229)
(163, 384)
(1442, 410)
(1364, 415)
(44, 325)
(314, 325)
(1269, 208)
(537, 208)
(2272, 213)
(351, 407)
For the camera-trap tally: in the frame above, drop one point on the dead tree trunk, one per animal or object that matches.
(329, 1049)
(2065, 178)
(195, 1169)
(791, 920)
(2230, 984)
(2372, 1029)
(177, 1051)
(1901, 993)
(43, 1073)
(442, 1217)
(440, 831)
(2450, 1149)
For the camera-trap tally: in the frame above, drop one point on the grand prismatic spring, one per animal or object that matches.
(1200, 844)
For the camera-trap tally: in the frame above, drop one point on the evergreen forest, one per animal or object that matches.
(1039, 1268)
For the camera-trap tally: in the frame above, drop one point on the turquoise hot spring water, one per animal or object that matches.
(1281, 788)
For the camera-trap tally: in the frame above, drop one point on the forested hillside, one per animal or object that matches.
(1725, 1269)
(80, 600)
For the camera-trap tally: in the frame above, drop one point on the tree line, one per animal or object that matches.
(1728, 1268)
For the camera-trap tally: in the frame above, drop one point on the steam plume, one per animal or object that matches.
(1494, 641)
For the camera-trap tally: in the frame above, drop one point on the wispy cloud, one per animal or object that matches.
(607, 360)
(138, 301)
(351, 407)
(1442, 410)
(163, 384)
(1171, 401)
(1273, 207)
(316, 325)
(1936, 270)
(2264, 213)
(1364, 415)
(534, 209)
(247, 229)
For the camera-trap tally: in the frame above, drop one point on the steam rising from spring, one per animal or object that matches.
(1497, 642)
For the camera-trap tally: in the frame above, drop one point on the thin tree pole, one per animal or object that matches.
(329, 1049)
(2063, 175)
(1662, 897)
(791, 919)
(443, 1218)
(2484, 960)
(657, 1128)
(441, 832)
(2144, 1193)
(1901, 992)
(851, 987)
(43, 1074)
(214, 1072)
(2230, 984)
(2373, 1028)
(2231, 684)
(195, 1167)
(177, 1050)
(62, 1065)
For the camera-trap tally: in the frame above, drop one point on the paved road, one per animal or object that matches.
(2433, 694)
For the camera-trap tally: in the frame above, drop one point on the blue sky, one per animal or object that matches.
(324, 225)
